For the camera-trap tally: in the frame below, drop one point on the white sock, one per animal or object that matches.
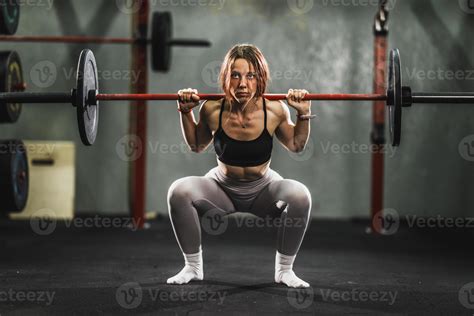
(192, 270)
(284, 271)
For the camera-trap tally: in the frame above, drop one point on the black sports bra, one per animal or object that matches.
(243, 153)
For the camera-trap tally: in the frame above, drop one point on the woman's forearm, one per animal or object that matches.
(188, 127)
(301, 134)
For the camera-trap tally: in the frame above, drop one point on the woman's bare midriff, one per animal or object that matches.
(244, 173)
(234, 130)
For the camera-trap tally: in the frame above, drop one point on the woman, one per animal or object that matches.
(241, 127)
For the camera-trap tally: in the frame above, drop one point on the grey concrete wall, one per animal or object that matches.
(322, 46)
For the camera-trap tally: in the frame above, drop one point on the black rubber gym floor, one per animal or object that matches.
(116, 270)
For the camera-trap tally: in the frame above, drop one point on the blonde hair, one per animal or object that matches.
(253, 56)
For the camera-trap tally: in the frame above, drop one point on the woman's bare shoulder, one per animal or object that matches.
(209, 111)
(278, 108)
(210, 106)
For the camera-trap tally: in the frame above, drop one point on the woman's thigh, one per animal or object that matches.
(276, 196)
(201, 192)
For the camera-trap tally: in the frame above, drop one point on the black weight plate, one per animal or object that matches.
(11, 76)
(9, 16)
(14, 176)
(87, 115)
(394, 94)
(161, 34)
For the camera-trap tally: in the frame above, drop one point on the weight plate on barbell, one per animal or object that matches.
(87, 114)
(9, 16)
(394, 97)
(14, 176)
(162, 31)
(11, 77)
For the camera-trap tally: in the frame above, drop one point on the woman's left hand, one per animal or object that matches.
(295, 100)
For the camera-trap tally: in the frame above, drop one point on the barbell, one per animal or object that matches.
(161, 40)
(86, 96)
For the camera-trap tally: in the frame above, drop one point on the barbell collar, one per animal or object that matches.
(407, 96)
(92, 97)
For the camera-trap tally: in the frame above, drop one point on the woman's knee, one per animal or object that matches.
(295, 194)
(182, 189)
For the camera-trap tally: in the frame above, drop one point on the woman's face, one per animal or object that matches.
(243, 81)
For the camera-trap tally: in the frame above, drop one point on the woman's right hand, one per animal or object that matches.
(188, 99)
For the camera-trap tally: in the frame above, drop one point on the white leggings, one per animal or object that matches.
(270, 196)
